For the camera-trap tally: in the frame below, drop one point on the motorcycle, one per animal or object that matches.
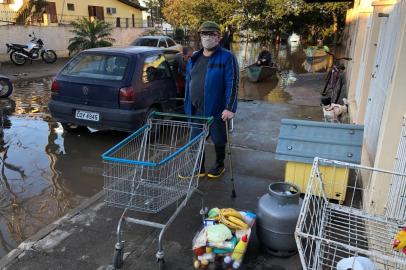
(19, 53)
(6, 87)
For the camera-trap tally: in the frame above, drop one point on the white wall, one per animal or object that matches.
(56, 38)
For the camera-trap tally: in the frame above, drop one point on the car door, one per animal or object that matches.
(157, 82)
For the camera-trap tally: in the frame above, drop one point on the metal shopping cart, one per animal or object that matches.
(152, 169)
(357, 230)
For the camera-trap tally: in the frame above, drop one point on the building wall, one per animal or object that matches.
(377, 45)
(12, 7)
(81, 9)
(57, 38)
(145, 14)
(64, 15)
(395, 109)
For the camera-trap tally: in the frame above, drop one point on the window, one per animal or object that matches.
(50, 9)
(111, 10)
(155, 68)
(71, 7)
(118, 22)
(171, 43)
(162, 43)
(150, 42)
(96, 12)
(97, 66)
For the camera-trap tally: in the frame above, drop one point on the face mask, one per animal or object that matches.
(209, 42)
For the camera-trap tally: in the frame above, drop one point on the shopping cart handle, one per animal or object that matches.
(209, 120)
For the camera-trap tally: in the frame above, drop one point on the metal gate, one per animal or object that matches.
(385, 61)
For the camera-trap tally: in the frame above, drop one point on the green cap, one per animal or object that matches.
(209, 26)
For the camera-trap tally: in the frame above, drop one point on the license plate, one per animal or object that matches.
(85, 115)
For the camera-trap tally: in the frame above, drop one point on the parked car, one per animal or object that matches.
(113, 88)
(157, 41)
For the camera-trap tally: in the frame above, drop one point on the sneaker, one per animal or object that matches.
(201, 174)
(217, 171)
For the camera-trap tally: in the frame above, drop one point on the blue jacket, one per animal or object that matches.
(220, 86)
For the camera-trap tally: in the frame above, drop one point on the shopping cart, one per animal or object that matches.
(329, 233)
(152, 169)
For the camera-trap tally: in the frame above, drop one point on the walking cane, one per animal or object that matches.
(233, 194)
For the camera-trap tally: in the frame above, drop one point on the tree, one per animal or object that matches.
(320, 21)
(90, 34)
(155, 9)
(31, 11)
(263, 18)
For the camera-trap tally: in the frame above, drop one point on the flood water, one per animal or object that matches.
(291, 60)
(45, 172)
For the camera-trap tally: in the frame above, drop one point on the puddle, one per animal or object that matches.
(44, 172)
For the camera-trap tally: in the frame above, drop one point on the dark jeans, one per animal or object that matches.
(219, 137)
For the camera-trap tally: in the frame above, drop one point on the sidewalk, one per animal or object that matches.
(38, 69)
(85, 238)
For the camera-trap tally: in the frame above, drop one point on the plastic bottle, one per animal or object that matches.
(240, 248)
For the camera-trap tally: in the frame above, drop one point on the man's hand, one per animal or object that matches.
(226, 115)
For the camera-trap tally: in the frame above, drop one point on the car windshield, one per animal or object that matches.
(150, 42)
(97, 66)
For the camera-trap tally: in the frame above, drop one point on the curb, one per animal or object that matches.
(29, 242)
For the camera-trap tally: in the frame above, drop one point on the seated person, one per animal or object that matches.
(264, 57)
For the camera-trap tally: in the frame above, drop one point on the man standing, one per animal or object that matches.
(179, 67)
(211, 90)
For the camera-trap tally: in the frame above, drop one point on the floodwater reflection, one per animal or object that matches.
(44, 172)
(291, 60)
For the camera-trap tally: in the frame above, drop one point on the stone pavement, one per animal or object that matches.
(85, 238)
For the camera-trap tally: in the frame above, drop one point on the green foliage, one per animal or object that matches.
(264, 18)
(152, 32)
(89, 34)
(179, 34)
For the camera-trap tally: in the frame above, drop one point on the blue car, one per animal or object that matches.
(114, 88)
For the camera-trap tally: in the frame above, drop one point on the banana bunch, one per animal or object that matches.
(231, 218)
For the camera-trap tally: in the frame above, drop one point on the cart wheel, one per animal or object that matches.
(118, 258)
(161, 264)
